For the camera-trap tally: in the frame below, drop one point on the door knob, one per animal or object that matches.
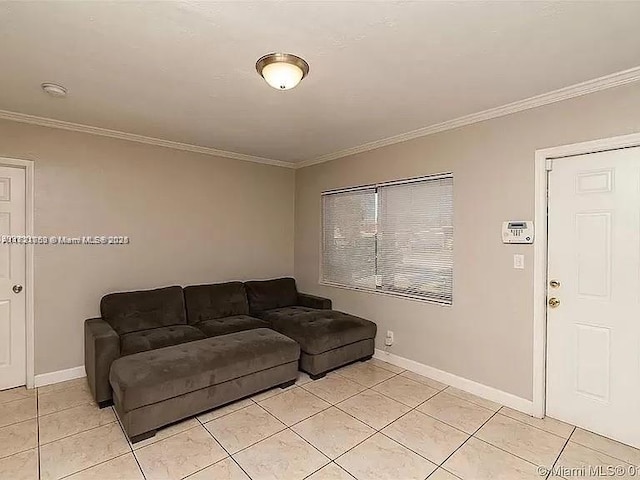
(17, 288)
(554, 302)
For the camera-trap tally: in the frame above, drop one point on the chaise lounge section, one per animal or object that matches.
(328, 338)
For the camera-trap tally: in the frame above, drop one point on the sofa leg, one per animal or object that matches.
(287, 384)
(366, 359)
(318, 376)
(142, 436)
(105, 403)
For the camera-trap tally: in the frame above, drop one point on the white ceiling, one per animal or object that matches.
(184, 71)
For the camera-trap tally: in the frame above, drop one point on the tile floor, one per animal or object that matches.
(366, 421)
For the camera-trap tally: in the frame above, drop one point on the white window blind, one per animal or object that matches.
(349, 246)
(415, 239)
(395, 238)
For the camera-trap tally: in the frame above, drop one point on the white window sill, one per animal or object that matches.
(414, 298)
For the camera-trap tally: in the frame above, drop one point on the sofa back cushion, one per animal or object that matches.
(219, 300)
(267, 294)
(133, 311)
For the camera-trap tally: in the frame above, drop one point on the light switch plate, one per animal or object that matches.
(518, 261)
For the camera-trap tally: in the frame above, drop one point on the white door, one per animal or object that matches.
(12, 274)
(593, 343)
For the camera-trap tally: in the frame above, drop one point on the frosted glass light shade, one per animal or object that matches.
(282, 71)
(282, 76)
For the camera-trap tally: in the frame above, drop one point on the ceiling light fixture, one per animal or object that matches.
(54, 90)
(282, 71)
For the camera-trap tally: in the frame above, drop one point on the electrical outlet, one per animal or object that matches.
(388, 341)
(518, 261)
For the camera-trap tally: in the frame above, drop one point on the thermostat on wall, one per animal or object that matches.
(517, 231)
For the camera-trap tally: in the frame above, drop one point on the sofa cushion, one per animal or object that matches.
(237, 323)
(267, 294)
(283, 313)
(323, 330)
(144, 340)
(133, 311)
(153, 376)
(206, 302)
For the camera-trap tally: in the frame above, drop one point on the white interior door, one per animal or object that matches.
(593, 344)
(12, 273)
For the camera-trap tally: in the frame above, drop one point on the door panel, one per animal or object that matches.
(593, 336)
(12, 272)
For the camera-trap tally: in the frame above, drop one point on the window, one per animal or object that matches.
(394, 238)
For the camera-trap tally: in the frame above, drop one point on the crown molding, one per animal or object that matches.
(590, 86)
(132, 137)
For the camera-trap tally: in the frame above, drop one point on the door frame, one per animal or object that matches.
(543, 159)
(29, 167)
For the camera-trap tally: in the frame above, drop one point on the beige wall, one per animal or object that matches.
(486, 336)
(191, 218)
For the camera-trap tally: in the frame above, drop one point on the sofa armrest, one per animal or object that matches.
(312, 301)
(101, 348)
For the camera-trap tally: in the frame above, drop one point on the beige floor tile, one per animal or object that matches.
(56, 387)
(17, 411)
(60, 399)
(609, 447)
(380, 458)
(477, 460)
(365, 374)
(167, 432)
(373, 408)
(576, 461)
(243, 428)
(524, 441)
(81, 451)
(425, 435)
(293, 406)
(17, 393)
(73, 420)
(180, 455)
(303, 378)
(547, 424)
(442, 474)
(376, 362)
(330, 472)
(405, 390)
(333, 432)
(225, 469)
(21, 466)
(426, 380)
(225, 410)
(459, 413)
(124, 467)
(469, 397)
(18, 437)
(282, 456)
(258, 397)
(334, 388)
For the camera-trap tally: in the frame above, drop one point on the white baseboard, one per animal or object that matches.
(60, 376)
(484, 391)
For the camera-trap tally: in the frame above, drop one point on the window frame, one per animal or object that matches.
(377, 291)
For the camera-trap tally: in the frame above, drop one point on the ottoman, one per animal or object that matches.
(158, 387)
(328, 338)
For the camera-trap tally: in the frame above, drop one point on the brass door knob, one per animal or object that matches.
(554, 302)
(17, 288)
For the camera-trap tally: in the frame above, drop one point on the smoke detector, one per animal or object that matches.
(54, 90)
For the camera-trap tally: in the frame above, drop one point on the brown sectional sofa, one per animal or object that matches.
(162, 355)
